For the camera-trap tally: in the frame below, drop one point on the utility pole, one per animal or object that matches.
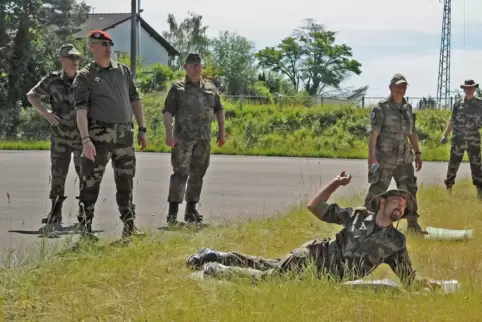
(443, 87)
(133, 36)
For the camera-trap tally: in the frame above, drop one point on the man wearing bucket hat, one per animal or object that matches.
(393, 146)
(367, 240)
(465, 123)
(65, 136)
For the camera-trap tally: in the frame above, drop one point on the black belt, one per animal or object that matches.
(112, 125)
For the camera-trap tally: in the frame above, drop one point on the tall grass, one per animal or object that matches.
(148, 280)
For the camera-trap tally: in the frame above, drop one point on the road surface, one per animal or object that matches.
(234, 187)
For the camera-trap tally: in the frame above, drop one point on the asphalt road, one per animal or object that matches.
(234, 187)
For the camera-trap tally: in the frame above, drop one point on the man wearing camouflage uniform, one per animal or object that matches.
(392, 136)
(465, 122)
(367, 240)
(65, 137)
(106, 99)
(193, 102)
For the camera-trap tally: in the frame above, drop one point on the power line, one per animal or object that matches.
(443, 86)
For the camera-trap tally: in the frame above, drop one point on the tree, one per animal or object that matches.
(311, 57)
(31, 33)
(233, 57)
(188, 36)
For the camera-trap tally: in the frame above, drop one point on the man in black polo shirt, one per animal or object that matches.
(106, 98)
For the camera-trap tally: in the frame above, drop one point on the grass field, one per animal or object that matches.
(148, 280)
(267, 129)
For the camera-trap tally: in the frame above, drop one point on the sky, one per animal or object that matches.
(386, 36)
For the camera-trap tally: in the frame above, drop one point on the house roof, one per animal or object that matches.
(104, 21)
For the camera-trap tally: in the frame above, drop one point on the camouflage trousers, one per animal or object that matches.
(404, 176)
(457, 150)
(312, 254)
(113, 142)
(190, 161)
(64, 141)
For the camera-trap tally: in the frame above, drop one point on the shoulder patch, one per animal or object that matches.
(373, 115)
(54, 73)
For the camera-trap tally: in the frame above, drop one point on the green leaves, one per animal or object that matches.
(311, 58)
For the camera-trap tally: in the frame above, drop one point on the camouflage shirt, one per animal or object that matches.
(107, 93)
(57, 87)
(395, 123)
(467, 119)
(193, 108)
(361, 246)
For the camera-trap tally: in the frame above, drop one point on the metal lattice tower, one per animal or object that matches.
(443, 87)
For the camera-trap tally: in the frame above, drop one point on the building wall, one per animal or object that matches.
(150, 50)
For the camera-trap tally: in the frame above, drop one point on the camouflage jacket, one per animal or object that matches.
(467, 119)
(58, 89)
(361, 246)
(394, 125)
(193, 108)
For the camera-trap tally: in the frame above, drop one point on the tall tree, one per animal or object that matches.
(32, 31)
(310, 57)
(233, 57)
(187, 36)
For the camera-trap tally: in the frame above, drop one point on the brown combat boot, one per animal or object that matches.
(55, 214)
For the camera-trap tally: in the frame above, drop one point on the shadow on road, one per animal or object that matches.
(52, 231)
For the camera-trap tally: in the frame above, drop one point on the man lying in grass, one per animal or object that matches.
(366, 241)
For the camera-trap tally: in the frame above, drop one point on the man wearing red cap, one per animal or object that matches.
(466, 121)
(106, 98)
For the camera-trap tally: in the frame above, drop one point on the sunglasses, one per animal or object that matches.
(104, 43)
(72, 57)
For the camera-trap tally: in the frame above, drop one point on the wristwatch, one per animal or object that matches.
(142, 129)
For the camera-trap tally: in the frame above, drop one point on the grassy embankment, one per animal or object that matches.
(148, 280)
(328, 131)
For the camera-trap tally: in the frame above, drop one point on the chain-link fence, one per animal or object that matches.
(418, 103)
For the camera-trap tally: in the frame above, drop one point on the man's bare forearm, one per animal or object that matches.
(414, 142)
(82, 123)
(35, 101)
(168, 122)
(324, 194)
(372, 142)
(138, 113)
(449, 128)
(220, 119)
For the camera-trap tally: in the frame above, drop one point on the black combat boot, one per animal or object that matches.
(207, 255)
(172, 214)
(55, 214)
(127, 215)
(479, 192)
(85, 227)
(192, 215)
(413, 225)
